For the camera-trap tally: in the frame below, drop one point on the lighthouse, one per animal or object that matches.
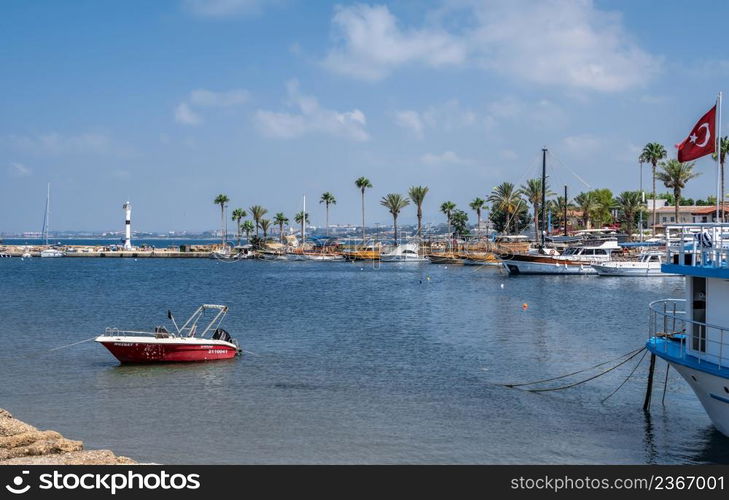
(128, 228)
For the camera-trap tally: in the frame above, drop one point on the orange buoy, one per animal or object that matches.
(524, 306)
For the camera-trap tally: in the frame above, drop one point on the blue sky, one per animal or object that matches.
(169, 103)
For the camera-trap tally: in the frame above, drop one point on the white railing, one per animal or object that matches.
(702, 341)
(704, 245)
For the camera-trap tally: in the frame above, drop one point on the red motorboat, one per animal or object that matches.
(161, 345)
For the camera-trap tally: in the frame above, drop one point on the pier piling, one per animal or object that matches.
(649, 388)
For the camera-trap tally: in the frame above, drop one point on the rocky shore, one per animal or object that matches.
(23, 444)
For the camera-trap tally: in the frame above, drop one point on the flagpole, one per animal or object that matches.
(717, 149)
(719, 194)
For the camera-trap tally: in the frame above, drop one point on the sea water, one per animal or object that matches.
(347, 363)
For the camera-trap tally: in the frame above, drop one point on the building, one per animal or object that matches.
(687, 214)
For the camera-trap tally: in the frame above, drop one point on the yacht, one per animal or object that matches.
(690, 334)
(647, 264)
(52, 252)
(576, 259)
(406, 252)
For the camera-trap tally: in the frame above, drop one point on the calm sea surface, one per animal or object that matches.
(352, 364)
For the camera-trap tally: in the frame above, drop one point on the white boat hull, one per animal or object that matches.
(636, 269)
(710, 389)
(402, 258)
(526, 267)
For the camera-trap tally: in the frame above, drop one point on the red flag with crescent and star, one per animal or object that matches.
(701, 141)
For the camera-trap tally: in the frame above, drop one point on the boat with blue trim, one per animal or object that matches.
(692, 334)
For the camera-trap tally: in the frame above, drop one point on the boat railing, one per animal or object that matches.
(668, 320)
(698, 244)
(116, 332)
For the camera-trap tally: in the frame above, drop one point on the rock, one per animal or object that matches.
(23, 444)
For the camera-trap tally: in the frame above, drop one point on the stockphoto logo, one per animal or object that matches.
(111, 483)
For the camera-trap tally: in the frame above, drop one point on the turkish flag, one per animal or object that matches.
(701, 141)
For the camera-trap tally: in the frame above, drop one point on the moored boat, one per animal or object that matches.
(161, 345)
(692, 334)
(406, 252)
(648, 264)
(575, 260)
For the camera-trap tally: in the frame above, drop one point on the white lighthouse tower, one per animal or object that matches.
(128, 229)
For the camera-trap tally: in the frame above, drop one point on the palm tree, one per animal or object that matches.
(586, 203)
(257, 212)
(447, 208)
(237, 215)
(394, 203)
(675, 174)
(477, 205)
(265, 226)
(221, 200)
(532, 190)
(723, 150)
(417, 195)
(630, 204)
(329, 199)
(280, 219)
(559, 207)
(302, 218)
(506, 199)
(363, 183)
(247, 228)
(652, 153)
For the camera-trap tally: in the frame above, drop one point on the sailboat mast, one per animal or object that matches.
(565, 210)
(303, 226)
(47, 218)
(544, 193)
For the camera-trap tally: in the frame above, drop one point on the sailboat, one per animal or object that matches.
(48, 251)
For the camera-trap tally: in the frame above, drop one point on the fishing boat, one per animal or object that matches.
(406, 252)
(185, 344)
(692, 334)
(480, 259)
(451, 258)
(648, 264)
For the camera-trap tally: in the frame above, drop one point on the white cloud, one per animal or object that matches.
(369, 44)
(411, 121)
(582, 144)
(18, 170)
(447, 116)
(54, 143)
(446, 158)
(311, 118)
(570, 43)
(185, 115)
(508, 154)
(187, 112)
(223, 8)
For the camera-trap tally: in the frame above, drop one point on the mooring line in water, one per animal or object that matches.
(587, 379)
(70, 345)
(573, 373)
(626, 378)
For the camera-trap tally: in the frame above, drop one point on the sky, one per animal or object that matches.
(170, 103)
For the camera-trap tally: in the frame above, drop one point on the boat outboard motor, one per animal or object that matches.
(220, 334)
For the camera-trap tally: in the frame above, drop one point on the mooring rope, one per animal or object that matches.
(73, 344)
(574, 373)
(626, 378)
(587, 379)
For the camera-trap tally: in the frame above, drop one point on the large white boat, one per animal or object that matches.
(692, 334)
(406, 252)
(648, 264)
(576, 259)
(52, 252)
